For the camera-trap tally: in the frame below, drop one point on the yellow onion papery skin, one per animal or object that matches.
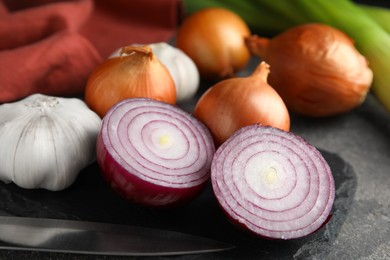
(236, 102)
(138, 74)
(214, 38)
(315, 68)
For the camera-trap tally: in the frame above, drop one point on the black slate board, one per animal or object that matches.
(90, 198)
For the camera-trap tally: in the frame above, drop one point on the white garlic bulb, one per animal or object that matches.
(183, 70)
(46, 141)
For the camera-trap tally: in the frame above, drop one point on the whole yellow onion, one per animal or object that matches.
(316, 69)
(214, 38)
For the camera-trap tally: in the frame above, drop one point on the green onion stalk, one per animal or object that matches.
(368, 26)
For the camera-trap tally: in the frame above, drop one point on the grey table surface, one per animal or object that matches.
(361, 138)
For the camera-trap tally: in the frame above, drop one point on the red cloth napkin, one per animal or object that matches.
(51, 46)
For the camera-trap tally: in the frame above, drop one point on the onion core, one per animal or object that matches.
(154, 153)
(272, 182)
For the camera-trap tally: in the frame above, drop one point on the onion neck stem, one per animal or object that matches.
(262, 71)
(130, 50)
(257, 45)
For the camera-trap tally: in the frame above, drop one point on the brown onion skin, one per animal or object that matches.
(214, 38)
(315, 69)
(139, 74)
(233, 103)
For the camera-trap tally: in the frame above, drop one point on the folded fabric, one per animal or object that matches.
(118, 23)
(51, 46)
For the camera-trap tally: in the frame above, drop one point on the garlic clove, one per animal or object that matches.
(183, 70)
(46, 141)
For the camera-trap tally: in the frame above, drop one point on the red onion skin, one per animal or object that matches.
(247, 230)
(143, 185)
(137, 190)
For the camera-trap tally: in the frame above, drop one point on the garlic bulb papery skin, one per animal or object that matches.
(46, 141)
(183, 70)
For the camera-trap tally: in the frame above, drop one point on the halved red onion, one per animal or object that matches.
(272, 182)
(154, 153)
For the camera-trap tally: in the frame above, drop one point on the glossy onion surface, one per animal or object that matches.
(272, 183)
(154, 153)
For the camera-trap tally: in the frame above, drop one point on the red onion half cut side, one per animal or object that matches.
(154, 153)
(273, 183)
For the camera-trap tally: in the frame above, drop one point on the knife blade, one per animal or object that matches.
(83, 237)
